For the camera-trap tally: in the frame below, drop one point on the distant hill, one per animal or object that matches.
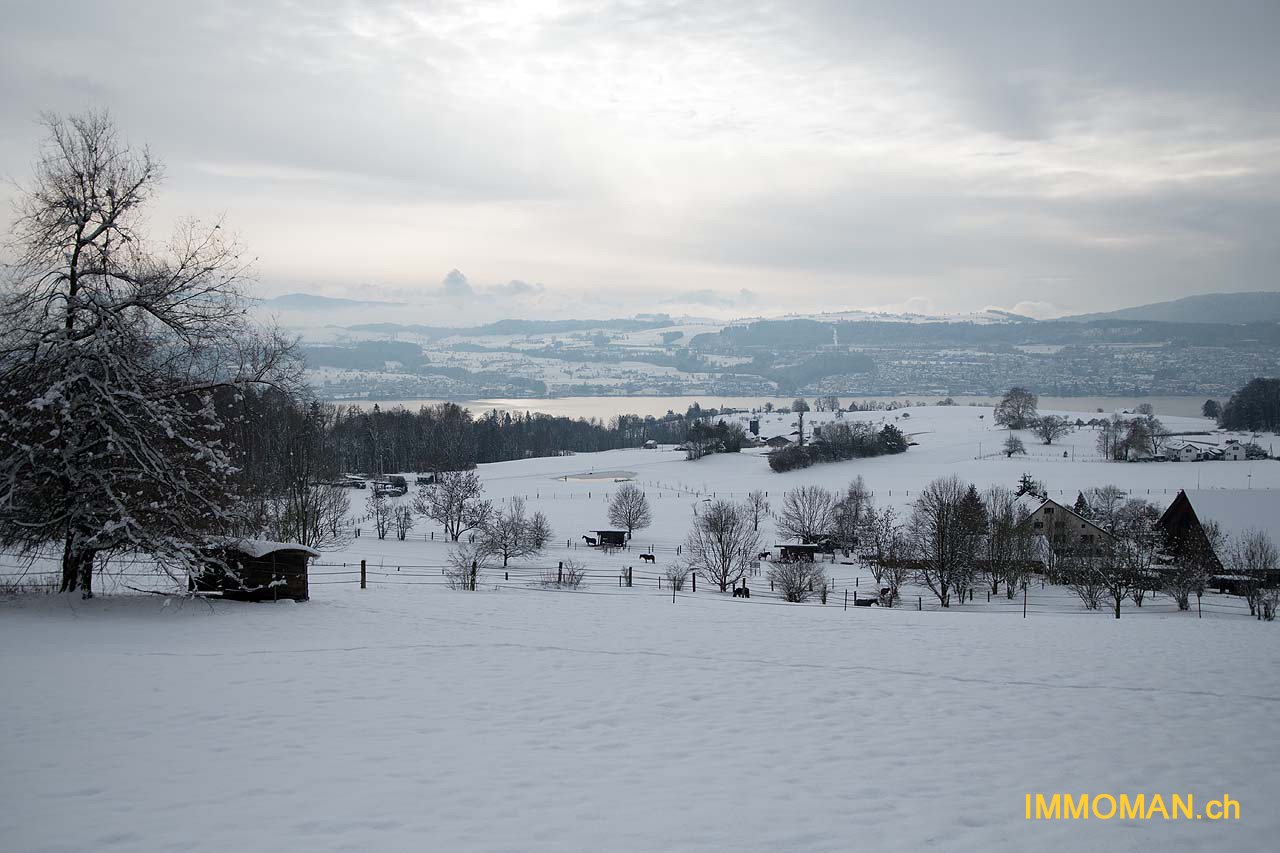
(312, 302)
(1260, 307)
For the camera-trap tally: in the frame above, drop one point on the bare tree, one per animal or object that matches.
(1014, 446)
(722, 544)
(939, 538)
(1051, 427)
(1007, 547)
(465, 565)
(1085, 568)
(510, 533)
(1017, 409)
(851, 515)
(808, 513)
(402, 520)
(116, 360)
(677, 574)
(1194, 561)
(797, 580)
(758, 505)
(629, 509)
(380, 511)
(1105, 503)
(569, 574)
(454, 501)
(1254, 557)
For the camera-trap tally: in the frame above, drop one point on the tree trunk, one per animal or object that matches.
(77, 569)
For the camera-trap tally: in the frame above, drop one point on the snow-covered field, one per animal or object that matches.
(408, 716)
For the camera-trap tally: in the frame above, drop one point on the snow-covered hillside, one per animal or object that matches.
(409, 716)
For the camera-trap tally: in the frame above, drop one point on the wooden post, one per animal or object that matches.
(846, 599)
(628, 577)
(474, 568)
(919, 602)
(560, 574)
(506, 576)
(694, 575)
(1024, 601)
(1199, 615)
(362, 581)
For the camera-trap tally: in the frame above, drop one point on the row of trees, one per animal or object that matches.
(840, 440)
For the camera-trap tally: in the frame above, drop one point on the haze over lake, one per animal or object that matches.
(604, 408)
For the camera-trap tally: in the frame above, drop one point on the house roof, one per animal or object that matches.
(1238, 510)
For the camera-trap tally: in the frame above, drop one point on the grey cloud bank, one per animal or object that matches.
(1053, 157)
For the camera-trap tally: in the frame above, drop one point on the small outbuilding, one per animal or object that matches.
(256, 570)
(611, 538)
(797, 552)
(651, 445)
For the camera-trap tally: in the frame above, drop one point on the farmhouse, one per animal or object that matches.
(1233, 451)
(256, 570)
(1233, 511)
(1182, 451)
(778, 441)
(1060, 525)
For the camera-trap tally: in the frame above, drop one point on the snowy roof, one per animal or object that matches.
(258, 548)
(1031, 502)
(1238, 510)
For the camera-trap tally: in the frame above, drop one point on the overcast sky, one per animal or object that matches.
(593, 158)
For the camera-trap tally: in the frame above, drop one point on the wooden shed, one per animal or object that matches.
(797, 552)
(257, 570)
(611, 538)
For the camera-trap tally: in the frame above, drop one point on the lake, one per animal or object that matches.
(604, 408)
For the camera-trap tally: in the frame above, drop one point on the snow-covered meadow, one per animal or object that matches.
(408, 716)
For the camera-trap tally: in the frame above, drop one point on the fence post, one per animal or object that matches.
(474, 568)
(362, 583)
(694, 575)
(560, 575)
(846, 599)
(1024, 601)
(1199, 615)
(506, 576)
(628, 577)
(919, 602)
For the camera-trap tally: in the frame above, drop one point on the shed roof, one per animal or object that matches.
(258, 548)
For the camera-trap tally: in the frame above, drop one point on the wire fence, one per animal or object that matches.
(849, 584)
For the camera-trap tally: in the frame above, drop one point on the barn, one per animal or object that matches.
(256, 570)
(1235, 512)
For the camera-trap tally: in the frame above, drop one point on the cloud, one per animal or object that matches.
(820, 154)
(1036, 310)
(713, 298)
(456, 288)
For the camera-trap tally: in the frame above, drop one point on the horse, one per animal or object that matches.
(741, 592)
(590, 540)
(648, 558)
(763, 555)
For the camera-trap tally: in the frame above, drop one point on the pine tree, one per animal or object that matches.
(1082, 507)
